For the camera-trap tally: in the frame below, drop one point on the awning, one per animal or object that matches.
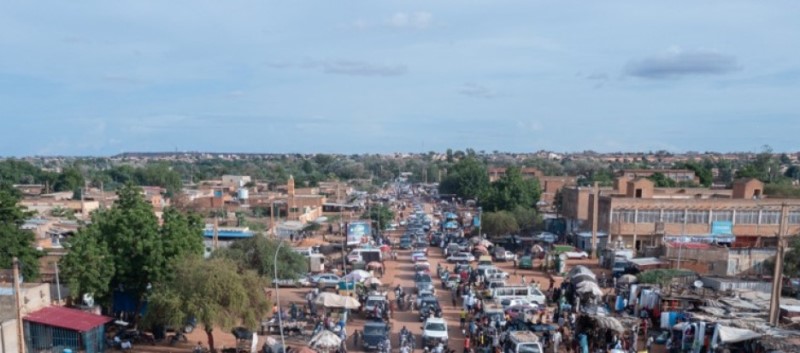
(733, 335)
(66, 318)
(331, 300)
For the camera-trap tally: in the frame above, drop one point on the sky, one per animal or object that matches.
(105, 77)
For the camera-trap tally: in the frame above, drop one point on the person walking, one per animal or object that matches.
(556, 340)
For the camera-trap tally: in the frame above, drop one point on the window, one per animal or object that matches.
(770, 217)
(746, 217)
(623, 216)
(638, 193)
(648, 216)
(794, 217)
(722, 216)
(673, 216)
(697, 217)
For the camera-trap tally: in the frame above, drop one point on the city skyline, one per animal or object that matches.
(101, 78)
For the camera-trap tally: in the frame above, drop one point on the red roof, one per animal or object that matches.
(67, 318)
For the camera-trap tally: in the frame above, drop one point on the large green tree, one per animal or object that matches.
(258, 254)
(499, 223)
(142, 252)
(380, 215)
(88, 266)
(215, 292)
(511, 191)
(468, 178)
(14, 241)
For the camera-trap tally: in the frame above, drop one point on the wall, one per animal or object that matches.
(9, 342)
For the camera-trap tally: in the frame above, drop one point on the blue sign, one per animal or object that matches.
(722, 228)
(476, 221)
(357, 231)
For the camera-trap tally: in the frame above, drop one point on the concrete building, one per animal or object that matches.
(35, 296)
(498, 172)
(550, 185)
(677, 175)
(234, 182)
(718, 260)
(640, 215)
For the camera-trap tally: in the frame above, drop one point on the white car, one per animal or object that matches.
(434, 331)
(576, 254)
(325, 280)
(461, 257)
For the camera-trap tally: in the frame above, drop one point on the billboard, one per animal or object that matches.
(356, 231)
(721, 227)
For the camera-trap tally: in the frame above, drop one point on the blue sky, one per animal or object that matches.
(104, 77)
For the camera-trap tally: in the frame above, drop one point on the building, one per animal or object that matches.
(575, 207)
(677, 175)
(638, 214)
(529, 173)
(234, 182)
(719, 260)
(58, 328)
(35, 297)
(551, 185)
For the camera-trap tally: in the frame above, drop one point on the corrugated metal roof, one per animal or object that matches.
(67, 318)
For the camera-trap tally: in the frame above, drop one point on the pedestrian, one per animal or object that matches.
(556, 340)
(356, 338)
(466, 345)
(522, 280)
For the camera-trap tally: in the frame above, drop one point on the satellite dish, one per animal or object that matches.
(698, 284)
(88, 299)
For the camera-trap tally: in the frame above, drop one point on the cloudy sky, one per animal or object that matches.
(103, 77)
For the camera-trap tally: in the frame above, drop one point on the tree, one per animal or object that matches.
(703, 173)
(87, 267)
(527, 218)
(511, 191)
(14, 241)
(214, 291)
(258, 254)
(661, 181)
(142, 253)
(380, 215)
(70, 179)
(499, 223)
(468, 179)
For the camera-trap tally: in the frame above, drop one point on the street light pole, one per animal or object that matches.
(278, 293)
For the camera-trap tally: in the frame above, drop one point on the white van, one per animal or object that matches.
(530, 294)
(524, 342)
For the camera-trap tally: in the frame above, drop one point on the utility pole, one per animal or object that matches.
(777, 276)
(272, 218)
(18, 305)
(595, 213)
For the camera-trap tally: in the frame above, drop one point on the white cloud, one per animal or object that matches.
(477, 91)
(415, 20)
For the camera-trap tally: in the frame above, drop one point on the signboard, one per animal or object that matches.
(476, 221)
(722, 228)
(708, 239)
(356, 231)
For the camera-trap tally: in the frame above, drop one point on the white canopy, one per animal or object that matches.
(332, 300)
(325, 340)
(589, 287)
(732, 335)
(357, 276)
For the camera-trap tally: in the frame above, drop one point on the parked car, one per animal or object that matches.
(325, 280)
(461, 256)
(301, 282)
(375, 333)
(434, 331)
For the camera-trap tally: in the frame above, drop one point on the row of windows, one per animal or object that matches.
(702, 217)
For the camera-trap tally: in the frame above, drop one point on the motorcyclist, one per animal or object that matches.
(404, 332)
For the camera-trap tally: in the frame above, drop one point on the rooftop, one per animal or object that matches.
(70, 319)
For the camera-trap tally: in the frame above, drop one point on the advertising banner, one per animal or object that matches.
(357, 231)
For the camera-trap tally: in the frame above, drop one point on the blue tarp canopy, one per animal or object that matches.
(450, 215)
(451, 225)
